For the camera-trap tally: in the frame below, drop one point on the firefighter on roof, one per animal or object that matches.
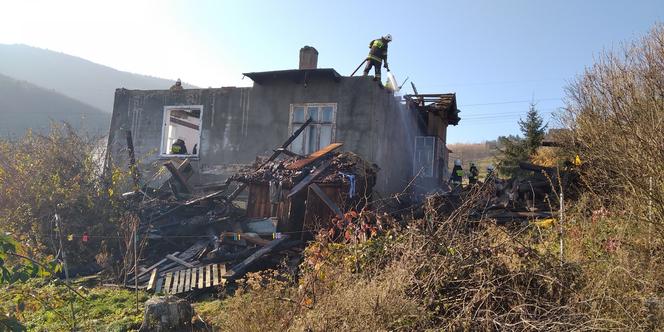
(377, 55)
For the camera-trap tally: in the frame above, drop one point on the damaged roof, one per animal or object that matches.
(296, 75)
(437, 103)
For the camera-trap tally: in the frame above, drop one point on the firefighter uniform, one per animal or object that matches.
(376, 56)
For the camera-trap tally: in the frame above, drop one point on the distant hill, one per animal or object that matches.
(91, 83)
(24, 105)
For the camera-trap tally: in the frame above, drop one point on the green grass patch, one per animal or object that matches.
(42, 306)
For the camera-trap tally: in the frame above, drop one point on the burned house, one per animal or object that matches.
(220, 129)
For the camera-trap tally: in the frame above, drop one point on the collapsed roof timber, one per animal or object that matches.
(347, 137)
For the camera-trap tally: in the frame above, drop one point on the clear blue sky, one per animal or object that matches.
(496, 55)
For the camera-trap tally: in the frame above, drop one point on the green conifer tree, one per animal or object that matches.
(514, 149)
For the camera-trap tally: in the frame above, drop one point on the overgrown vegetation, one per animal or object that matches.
(443, 272)
(42, 176)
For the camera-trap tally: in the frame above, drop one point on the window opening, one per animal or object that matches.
(181, 133)
(425, 148)
(320, 133)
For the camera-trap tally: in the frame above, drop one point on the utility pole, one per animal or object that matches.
(64, 266)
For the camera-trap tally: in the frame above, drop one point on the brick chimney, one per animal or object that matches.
(308, 58)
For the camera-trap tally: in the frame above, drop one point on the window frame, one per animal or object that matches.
(314, 124)
(166, 121)
(416, 170)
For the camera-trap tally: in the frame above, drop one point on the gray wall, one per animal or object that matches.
(241, 123)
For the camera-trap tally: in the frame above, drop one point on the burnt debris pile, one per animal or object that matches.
(195, 238)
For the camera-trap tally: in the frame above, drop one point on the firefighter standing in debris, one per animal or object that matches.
(377, 55)
(473, 173)
(179, 147)
(457, 176)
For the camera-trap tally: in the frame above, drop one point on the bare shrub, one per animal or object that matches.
(58, 173)
(615, 117)
(615, 114)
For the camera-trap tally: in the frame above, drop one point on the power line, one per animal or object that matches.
(499, 82)
(511, 102)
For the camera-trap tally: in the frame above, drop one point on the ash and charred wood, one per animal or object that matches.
(316, 189)
(179, 178)
(187, 255)
(308, 179)
(241, 268)
(154, 266)
(179, 261)
(274, 156)
(188, 203)
(230, 256)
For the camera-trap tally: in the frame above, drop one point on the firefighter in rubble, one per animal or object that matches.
(179, 147)
(456, 177)
(377, 55)
(473, 174)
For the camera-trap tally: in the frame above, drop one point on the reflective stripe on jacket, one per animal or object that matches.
(378, 50)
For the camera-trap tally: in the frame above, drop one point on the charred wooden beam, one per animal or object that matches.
(133, 167)
(179, 178)
(274, 156)
(241, 268)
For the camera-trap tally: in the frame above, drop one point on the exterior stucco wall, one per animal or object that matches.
(241, 123)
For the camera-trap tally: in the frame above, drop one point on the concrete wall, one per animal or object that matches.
(241, 123)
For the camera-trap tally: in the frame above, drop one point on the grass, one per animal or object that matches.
(42, 306)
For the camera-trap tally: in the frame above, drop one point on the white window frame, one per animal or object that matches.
(416, 171)
(317, 123)
(164, 125)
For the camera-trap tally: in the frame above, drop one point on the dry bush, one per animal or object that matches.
(442, 272)
(615, 117)
(58, 173)
(615, 114)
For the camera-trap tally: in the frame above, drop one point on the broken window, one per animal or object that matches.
(425, 156)
(318, 134)
(181, 133)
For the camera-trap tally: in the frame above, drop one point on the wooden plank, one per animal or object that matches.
(179, 261)
(215, 275)
(208, 276)
(153, 279)
(314, 156)
(178, 177)
(176, 281)
(222, 272)
(194, 279)
(239, 269)
(187, 280)
(182, 281)
(308, 179)
(160, 283)
(201, 274)
(155, 265)
(327, 200)
(167, 284)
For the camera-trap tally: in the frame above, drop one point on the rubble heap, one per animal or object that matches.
(341, 164)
